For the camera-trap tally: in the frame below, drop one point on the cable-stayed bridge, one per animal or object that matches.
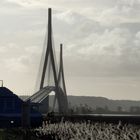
(49, 77)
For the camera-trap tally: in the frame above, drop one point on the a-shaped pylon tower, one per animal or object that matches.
(50, 79)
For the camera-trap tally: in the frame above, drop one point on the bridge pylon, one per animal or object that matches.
(49, 62)
(50, 78)
(61, 79)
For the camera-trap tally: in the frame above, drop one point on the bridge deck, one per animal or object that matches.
(39, 96)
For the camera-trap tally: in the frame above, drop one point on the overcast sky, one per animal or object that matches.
(101, 45)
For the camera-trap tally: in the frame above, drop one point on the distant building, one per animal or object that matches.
(11, 110)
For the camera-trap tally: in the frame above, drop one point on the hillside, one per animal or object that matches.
(94, 102)
(102, 102)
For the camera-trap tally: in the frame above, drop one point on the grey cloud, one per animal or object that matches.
(133, 27)
(105, 57)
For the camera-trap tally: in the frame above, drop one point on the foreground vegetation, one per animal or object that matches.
(74, 131)
(88, 131)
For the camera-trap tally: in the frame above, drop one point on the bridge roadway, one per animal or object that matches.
(39, 96)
